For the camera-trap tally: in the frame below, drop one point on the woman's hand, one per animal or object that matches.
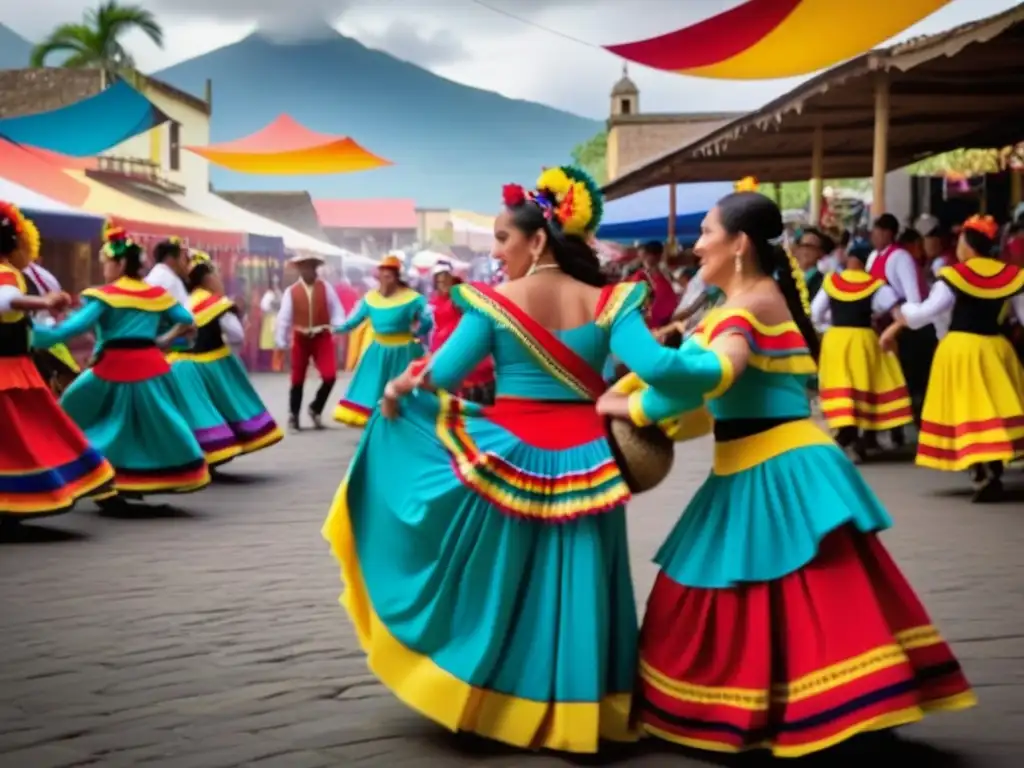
(614, 404)
(389, 401)
(56, 302)
(888, 339)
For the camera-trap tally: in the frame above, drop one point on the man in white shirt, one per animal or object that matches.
(170, 270)
(897, 267)
(310, 311)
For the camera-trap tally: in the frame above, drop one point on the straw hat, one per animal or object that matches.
(644, 454)
(301, 258)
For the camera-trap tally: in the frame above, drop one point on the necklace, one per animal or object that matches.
(540, 268)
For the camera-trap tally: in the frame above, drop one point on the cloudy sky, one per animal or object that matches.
(467, 41)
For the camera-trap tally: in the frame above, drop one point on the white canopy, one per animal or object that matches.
(209, 204)
(23, 197)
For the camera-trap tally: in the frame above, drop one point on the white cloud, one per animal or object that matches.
(466, 42)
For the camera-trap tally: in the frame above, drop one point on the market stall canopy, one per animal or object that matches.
(52, 218)
(87, 127)
(286, 147)
(157, 216)
(959, 88)
(209, 204)
(766, 39)
(644, 215)
(472, 223)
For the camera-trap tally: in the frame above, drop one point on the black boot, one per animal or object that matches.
(294, 406)
(988, 482)
(316, 408)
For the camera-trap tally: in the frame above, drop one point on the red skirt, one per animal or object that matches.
(46, 464)
(798, 664)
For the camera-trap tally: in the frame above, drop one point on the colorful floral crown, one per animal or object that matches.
(117, 244)
(984, 225)
(567, 196)
(198, 259)
(747, 184)
(25, 233)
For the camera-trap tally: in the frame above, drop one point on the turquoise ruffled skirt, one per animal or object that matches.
(139, 428)
(768, 520)
(378, 365)
(491, 586)
(209, 427)
(231, 395)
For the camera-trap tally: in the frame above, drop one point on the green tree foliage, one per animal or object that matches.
(95, 42)
(592, 156)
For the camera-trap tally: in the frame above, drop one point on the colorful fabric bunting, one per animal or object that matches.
(765, 39)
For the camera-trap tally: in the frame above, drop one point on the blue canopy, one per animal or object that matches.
(644, 216)
(88, 127)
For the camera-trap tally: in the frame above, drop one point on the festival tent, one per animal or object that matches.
(644, 215)
(87, 127)
(52, 218)
(285, 147)
(27, 167)
(210, 204)
(767, 39)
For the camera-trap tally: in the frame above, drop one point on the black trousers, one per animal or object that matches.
(916, 353)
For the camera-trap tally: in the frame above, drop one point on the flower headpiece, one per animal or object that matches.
(199, 259)
(984, 225)
(26, 235)
(567, 196)
(747, 184)
(117, 242)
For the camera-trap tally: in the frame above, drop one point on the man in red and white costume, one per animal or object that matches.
(900, 270)
(310, 311)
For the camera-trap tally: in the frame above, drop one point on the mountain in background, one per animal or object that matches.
(14, 49)
(452, 145)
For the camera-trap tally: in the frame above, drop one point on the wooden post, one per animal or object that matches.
(671, 245)
(777, 190)
(817, 169)
(880, 158)
(1016, 185)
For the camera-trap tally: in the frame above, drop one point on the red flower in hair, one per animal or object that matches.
(986, 225)
(513, 195)
(10, 213)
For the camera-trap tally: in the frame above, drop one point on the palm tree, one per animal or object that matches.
(95, 42)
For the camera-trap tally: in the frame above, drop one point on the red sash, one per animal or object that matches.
(552, 354)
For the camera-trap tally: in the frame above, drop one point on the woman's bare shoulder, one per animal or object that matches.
(768, 305)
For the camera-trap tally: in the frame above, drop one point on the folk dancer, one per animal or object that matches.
(775, 592)
(211, 430)
(974, 411)
(57, 366)
(479, 385)
(399, 318)
(270, 305)
(897, 267)
(455, 578)
(215, 368)
(127, 402)
(46, 463)
(861, 387)
(310, 310)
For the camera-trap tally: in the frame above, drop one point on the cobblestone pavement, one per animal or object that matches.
(209, 636)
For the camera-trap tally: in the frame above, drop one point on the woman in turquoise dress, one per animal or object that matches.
(126, 402)
(399, 318)
(778, 621)
(212, 369)
(483, 548)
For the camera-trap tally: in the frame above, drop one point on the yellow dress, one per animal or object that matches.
(860, 384)
(974, 408)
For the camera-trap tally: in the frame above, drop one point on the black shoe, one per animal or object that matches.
(317, 421)
(293, 423)
(989, 491)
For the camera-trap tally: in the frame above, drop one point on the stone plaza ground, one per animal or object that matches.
(208, 635)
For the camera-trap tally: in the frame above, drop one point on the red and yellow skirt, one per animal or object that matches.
(786, 666)
(974, 409)
(859, 384)
(46, 463)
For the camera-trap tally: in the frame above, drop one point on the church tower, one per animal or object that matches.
(625, 105)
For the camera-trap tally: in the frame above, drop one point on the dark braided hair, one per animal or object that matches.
(760, 219)
(979, 242)
(197, 274)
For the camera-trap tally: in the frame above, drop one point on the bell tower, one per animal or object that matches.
(625, 96)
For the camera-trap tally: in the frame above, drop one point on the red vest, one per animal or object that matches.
(308, 314)
(877, 270)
